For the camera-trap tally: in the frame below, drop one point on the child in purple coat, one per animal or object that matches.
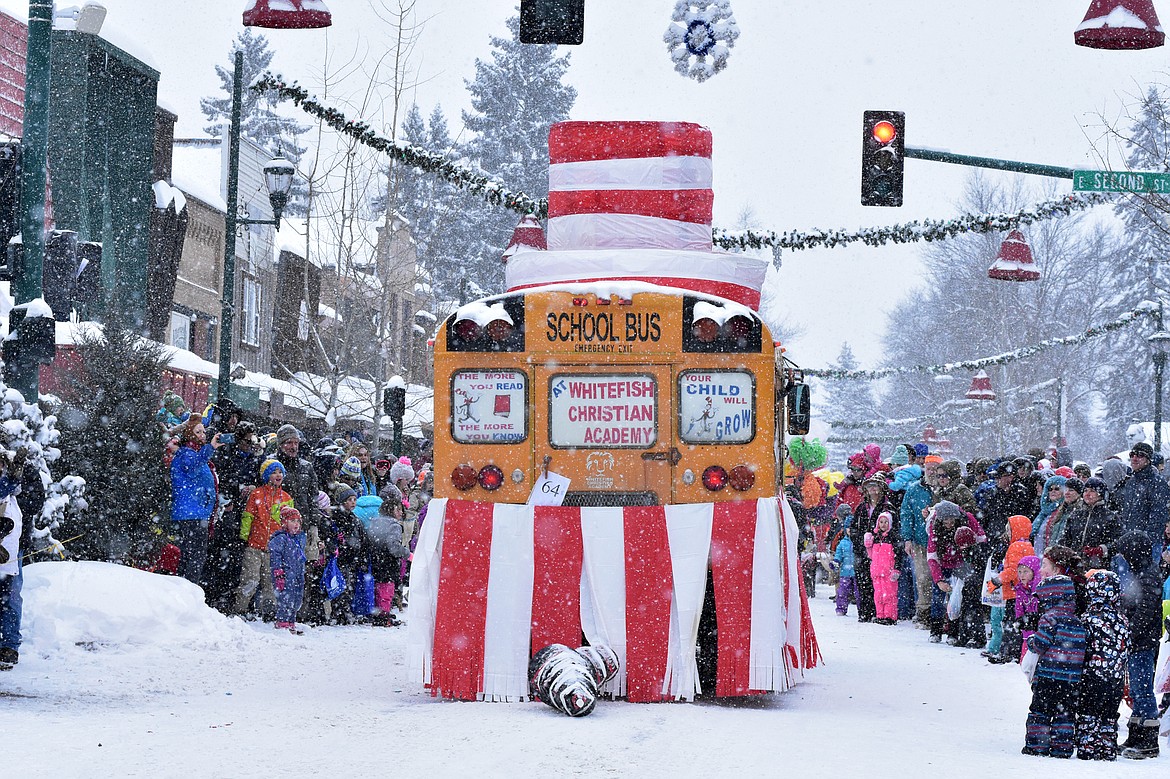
(1027, 608)
(286, 551)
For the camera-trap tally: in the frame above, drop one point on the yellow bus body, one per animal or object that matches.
(611, 400)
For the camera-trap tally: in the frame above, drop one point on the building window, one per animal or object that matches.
(180, 330)
(303, 322)
(250, 326)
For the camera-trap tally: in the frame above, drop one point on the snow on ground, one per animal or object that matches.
(125, 673)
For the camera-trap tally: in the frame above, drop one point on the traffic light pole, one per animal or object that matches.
(988, 162)
(22, 373)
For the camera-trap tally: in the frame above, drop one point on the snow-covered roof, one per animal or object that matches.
(195, 169)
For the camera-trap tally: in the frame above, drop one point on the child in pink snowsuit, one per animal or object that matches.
(885, 553)
(1027, 604)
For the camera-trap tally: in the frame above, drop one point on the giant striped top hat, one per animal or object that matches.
(632, 201)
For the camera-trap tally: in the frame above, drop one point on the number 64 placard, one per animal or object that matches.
(549, 490)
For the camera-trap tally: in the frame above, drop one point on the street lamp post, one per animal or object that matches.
(1159, 342)
(278, 175)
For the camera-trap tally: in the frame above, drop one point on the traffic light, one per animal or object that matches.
(552, 21)
(394, 403)
(9, 191)
(883, 147)
(60, 272)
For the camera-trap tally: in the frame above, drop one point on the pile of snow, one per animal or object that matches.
(95, 605)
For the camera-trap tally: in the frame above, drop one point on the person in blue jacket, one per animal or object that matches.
(912, 528)
(843, 565)
(193, 496)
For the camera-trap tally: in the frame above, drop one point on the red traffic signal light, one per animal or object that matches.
(884, 132)
(882, 158)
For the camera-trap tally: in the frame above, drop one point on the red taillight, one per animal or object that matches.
(463, 477)
(498, 330)
(737, 328)
(490, 477)
(467, 330)
(742, 478)
(715, 478)
(705, 330)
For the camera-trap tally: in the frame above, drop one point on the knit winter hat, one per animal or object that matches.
(390, 494)
(352, 468)
(921, 450)
(288, 514)
(401, 470)
(948, 510)
(1057, 589)
(964, 537)
(900, 455)
(172, 402)
(286, 433)
(1096, 483)
(1074, 484)
(322, 500)
(933, 458)
(268, 467)
(952, 468)
(345, 494)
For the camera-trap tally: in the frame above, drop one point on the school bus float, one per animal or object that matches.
(608, 469)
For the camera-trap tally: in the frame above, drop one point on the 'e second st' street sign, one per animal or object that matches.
(1120, 181)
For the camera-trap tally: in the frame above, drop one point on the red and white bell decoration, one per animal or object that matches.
(287, 14)
(528, 234)
(1120, 24)
(930, 437)
(1014, 261)
(981, 387)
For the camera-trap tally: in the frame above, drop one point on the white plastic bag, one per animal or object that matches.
(955, 601)
(990, 597)
(1028, 664)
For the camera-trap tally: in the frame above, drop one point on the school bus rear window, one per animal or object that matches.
(489, 406)
(716, 407)
(603, 411)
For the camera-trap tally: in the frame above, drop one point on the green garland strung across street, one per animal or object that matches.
(927, 230)
(1125, 320)
(416, 157)
(494, 192)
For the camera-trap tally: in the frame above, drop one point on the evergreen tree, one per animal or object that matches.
(515, 98)
(113, 441)
(433, 206)
(1144, 272)
(259, 120)
(849, 402)
(28, 430)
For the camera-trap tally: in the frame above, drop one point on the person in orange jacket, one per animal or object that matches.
(1016, 533)
(260, 519)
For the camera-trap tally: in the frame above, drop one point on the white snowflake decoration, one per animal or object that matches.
(700, 37)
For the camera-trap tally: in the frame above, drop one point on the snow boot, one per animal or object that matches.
(1131, 727)
(1143, 740)
(8, 658)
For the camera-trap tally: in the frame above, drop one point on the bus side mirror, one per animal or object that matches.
(799, 402)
